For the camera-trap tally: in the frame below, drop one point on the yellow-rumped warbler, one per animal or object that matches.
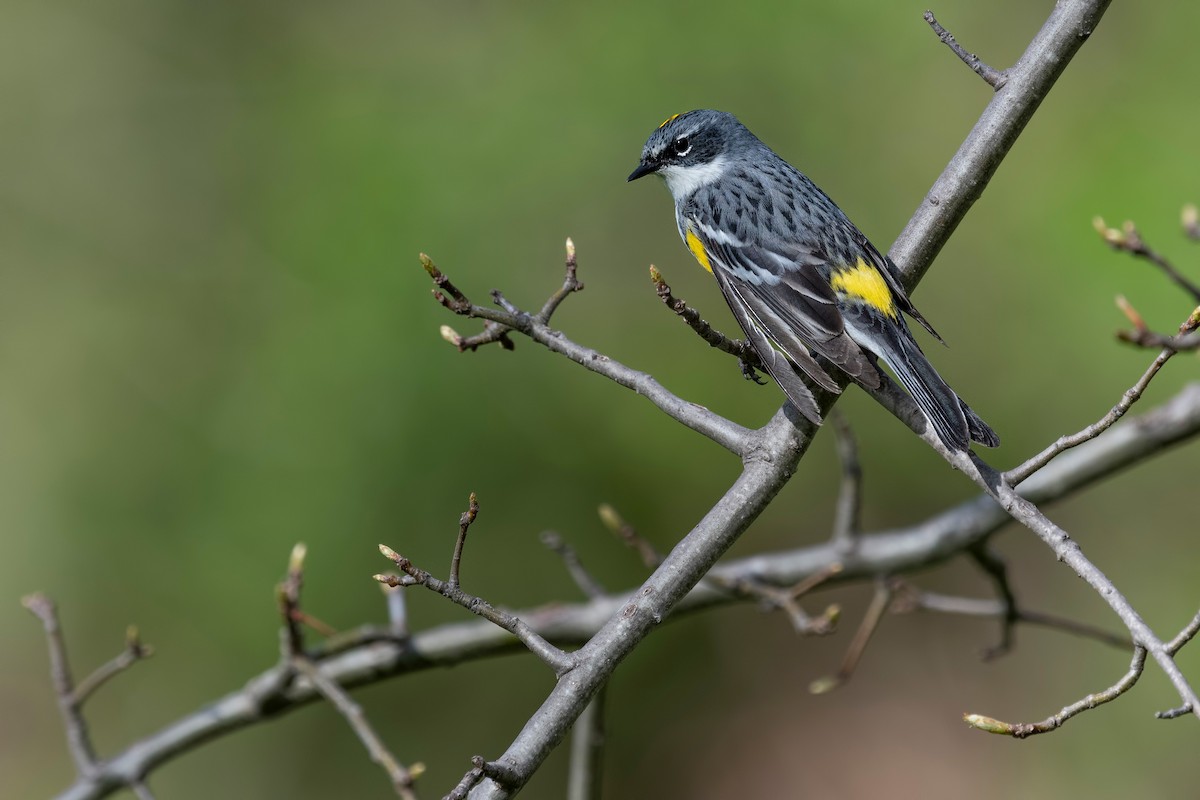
(797, 273)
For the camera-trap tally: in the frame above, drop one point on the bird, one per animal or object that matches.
(800, 278)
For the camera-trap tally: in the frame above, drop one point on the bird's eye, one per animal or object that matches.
(682, 146)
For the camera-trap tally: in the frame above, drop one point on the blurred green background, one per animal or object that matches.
(217, 341)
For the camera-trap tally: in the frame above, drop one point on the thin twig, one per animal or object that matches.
(784, 599)
(913, 599)
(1189, 218)
(613, 520)
(733, 437)
(849, 502)
(1134, 393)
(1129, 240)
(585, 776)
(474, 775)
(556, 659)
(587, 584)
(397, 608)
(1174, 713)
(570, 285)
(994, 567)
(1065, 549)
(135, 650)
(993, 77)
(739, 348)
(464, 523)
(1184, 636)
(1186, 339)
(771, 597)
(288, 594)
(402, 777)
(78, 742)
(858, 645)
(1021, 730)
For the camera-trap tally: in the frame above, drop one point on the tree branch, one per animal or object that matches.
(993, 77)
(369, 654)
(78, 741)
(967, 175)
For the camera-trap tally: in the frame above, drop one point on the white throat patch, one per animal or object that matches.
(683, 181)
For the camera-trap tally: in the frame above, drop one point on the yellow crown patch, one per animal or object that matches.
(668, 120)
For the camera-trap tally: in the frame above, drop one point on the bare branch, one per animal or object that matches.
(371, 654)
(1064, 548)
(849, 503)
(556, 659)
(402, 778)
(1127, 239)
(750, 587)
(1184, 636)
(966, 176)
(464, 523)
(613, 520)
(858, 645)
(730, 435)
(135, 651)
(587, 584)
(397, 608)
(1189, 218)
(913, 599)
(995, 568)
(288, 594)
(738, 348)
(1018, 474)
(296, 662)
(1021, 730)
(1142, 336)
(585, 778)
(78, 742)
(570, 286)
(474, 775)
(993, 77)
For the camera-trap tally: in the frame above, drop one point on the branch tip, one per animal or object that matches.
(296, 559)
(992, 77)
(988, 725)
(1189, 217)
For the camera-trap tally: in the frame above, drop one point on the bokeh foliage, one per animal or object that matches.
(217, 341)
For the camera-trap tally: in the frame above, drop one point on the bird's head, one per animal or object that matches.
(693, 149)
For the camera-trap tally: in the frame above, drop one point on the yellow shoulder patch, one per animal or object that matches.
(697, 247)
(863, 282)
(667, 120)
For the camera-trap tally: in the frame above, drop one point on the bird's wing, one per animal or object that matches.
(781, 291)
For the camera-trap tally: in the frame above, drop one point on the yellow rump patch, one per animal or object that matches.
(697, 247)
(863, 282)
(667, 120)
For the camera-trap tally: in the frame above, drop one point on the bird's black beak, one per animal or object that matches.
(644, 168)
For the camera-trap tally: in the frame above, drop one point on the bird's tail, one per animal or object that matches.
(953, 420)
